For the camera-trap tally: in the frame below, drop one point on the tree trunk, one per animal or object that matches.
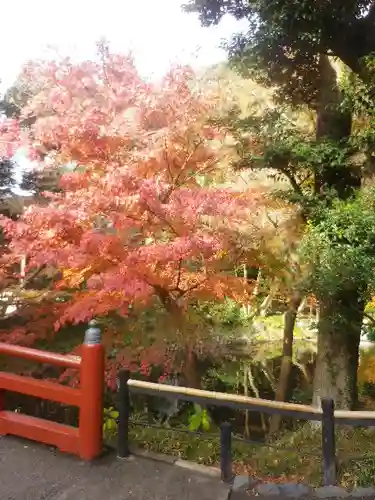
(302, 305)
(287, 359)
(335, 124)
(267, 302)
(339, 333)
(191, 370)
(340, 319)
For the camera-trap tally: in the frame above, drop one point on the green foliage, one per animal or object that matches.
(227, 374)
(7, 179)
(359, 99)
(339, 246)
(357, 94)
(110, 417)
(200, 419)
(369, 331)
(338, 242)
(287, 150)
(228, 313)
(284, 39)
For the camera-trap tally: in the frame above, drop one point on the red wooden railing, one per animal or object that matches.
(86, 441)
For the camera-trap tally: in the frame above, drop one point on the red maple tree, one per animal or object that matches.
(133, 222)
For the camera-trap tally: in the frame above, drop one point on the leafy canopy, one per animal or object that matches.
(340, 246)
(286, 37)
(132, 221)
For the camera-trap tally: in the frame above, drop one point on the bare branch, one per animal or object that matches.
(179, 274)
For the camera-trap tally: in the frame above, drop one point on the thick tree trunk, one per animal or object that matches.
(339, 335)
(340, 320)
(335, 124)
(287, 359)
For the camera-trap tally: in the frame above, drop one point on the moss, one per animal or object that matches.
(292, 457)
(298, 455)
(197, 448)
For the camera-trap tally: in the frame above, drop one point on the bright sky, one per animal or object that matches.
(156, 31)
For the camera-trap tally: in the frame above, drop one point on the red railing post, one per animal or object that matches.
(92, 389)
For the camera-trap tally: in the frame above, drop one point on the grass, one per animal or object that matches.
(295, 456)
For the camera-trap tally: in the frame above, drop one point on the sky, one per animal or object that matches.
(156, 31)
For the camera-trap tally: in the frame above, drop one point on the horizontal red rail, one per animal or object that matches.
(64, 437)
(87, 440)
(52, 358)
(40, 389)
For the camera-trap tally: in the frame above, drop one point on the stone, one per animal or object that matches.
(361, 492)
(241, 483)
(295, 490)
(202, 469)
(331, 492)
(268, 489)
(158, 457)
(253, 482)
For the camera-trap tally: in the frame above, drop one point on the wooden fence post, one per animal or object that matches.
(328, 443)
(226, 452)
(124, 414)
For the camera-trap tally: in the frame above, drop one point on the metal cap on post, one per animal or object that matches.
(93, 333)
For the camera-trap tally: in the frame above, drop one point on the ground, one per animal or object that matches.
(31, 471)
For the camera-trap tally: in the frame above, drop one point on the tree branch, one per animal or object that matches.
(369, 317)
(161, 218)
(32, 275)
(297, 188)
(274, 224)
(179, 274)
(352, 40)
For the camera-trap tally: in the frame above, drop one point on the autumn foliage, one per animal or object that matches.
(133, 222)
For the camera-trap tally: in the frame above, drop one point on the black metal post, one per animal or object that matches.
(226, 452)
(329, 443)
(124, 413)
